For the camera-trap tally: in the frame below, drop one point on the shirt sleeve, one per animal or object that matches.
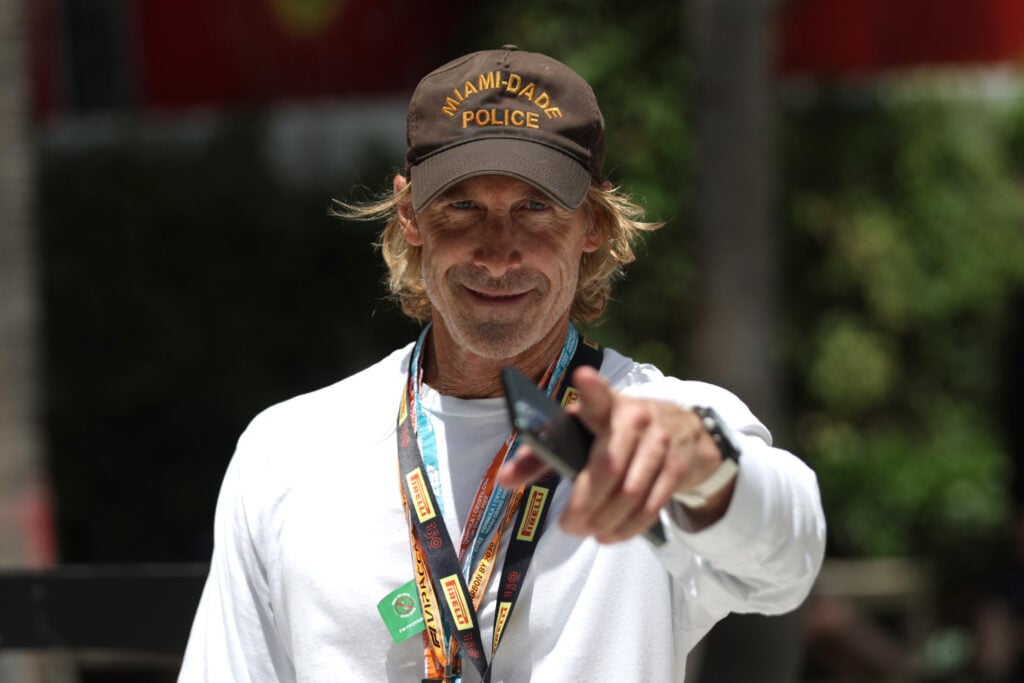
(765, 553)
(233, 637)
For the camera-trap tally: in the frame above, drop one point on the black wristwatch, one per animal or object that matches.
(728, 444)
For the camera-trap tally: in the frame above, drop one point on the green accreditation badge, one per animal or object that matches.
(401, 613)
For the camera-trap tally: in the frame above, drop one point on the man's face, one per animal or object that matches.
(500, 263)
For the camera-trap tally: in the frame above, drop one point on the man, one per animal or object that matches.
(390, 528)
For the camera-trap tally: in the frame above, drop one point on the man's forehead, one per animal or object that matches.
(494, 183)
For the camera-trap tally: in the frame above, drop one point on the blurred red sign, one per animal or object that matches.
(185, 53)
(846, 37)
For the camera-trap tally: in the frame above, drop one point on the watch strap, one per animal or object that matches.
(698, 496)
(728, 446)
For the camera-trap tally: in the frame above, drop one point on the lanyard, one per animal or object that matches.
(441, 573)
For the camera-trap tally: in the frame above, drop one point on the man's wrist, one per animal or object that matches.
(728, 445)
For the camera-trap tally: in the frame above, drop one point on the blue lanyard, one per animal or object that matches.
(499, 498)
(438, 554)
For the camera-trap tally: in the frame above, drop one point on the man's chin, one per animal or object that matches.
(494, 341)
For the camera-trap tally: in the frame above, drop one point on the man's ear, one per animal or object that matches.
(594, 237)
(406, 216)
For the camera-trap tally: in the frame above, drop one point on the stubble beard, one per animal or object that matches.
(494, 338)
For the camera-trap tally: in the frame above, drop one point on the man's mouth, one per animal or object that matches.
(496, 295)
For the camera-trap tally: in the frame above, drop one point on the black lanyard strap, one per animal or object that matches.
(439, 551)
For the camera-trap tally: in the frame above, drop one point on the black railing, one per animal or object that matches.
(143, 608)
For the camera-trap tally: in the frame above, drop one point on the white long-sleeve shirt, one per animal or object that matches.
(310, 534)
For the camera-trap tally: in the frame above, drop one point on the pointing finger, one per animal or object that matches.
(523, 468)
(595, 401)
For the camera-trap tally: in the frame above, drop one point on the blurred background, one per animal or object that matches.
(843, 182)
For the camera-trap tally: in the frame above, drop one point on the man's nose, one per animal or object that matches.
(499, 247)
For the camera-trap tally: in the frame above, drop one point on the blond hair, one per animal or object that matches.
(612, 212)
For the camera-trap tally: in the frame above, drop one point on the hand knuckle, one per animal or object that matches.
(677, 467)
(634, 414)
(661, 437)
(651, 510)
(632, 493)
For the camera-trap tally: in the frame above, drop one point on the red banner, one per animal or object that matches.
(844, 37)
(184, 53)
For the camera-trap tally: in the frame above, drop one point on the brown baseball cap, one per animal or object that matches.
(504, 112)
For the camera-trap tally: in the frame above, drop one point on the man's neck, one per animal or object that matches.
(452, 370)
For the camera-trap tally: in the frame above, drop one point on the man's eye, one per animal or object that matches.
(462, 204)
(536, 205)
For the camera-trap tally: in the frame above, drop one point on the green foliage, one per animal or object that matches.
(889, 489)
(905, 220)
(184, 291)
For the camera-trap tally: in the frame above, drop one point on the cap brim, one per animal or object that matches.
(552, 172)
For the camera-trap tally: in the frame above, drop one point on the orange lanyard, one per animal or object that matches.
(450, 605)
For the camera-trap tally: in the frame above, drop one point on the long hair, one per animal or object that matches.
(610, 211)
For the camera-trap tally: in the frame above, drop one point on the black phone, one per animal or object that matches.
(558, 438)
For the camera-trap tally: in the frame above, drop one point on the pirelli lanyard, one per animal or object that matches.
(434, 553)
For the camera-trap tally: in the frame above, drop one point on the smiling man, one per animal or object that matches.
(389, 527)
(500, 269)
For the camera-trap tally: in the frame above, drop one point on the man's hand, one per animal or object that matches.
(644, 452)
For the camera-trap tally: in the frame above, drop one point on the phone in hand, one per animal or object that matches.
(557, 437)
